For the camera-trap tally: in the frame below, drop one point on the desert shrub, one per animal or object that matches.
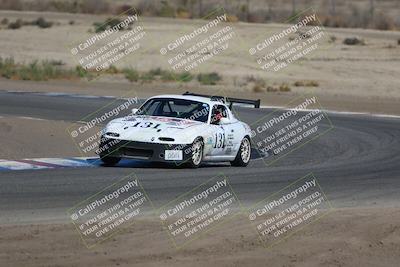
(183, 13)
(56, 62)
(41, 71)
(42, 23)
(38, 70)
(306, 83)
(7, 67)
(332, 39)
(256, 17)
(209, 78)
(168, 76)
(398, 41)
(81, 72)
(353, 41)
(57, 5)
(112, 70)
(232, 18)
(131, 74)
(258, 84)
(185, 76)
(147, 77)
(383, 22)
(32, 71)
(99, 27)
(166, 10)
(156, 72)
(333, 21)
(272, 88)
(257, 88)
(109, 23)
(284, 87)
(250, 78)
(15, 25)
(71, 22)
(4, 21)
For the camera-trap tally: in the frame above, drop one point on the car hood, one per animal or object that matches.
(150, 128)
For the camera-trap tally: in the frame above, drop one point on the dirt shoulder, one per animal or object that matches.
(345, 237)
(33, 138)
(339, 102)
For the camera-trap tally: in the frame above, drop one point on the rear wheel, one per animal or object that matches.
(197, 153)
(110, 161)
(243, 156)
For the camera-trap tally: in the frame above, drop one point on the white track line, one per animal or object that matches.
(341, 112)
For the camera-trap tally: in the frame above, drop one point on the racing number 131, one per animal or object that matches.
(219, 140)
(146, 125)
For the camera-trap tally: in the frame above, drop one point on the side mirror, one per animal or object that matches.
(224, 121)
(134, 110)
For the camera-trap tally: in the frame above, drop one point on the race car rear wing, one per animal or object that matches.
(230, 100)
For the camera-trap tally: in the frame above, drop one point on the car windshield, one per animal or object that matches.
(176, 108)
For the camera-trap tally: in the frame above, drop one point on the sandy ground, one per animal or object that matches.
(346, 237)
(376, 105)
(365, 75)
(33, 138)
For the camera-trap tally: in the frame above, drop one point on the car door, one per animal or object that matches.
(231, 134)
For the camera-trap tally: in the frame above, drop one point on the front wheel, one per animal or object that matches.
(197, 153)
(243, 156)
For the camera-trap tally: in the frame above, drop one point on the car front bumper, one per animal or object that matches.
(142, 150)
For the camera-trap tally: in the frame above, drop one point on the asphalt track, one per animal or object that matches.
(356, 164)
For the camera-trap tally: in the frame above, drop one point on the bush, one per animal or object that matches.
(166, 10)
(42, 23)
(209, 78)
(183, 13)
(232, 18)
(168, 76)
(185, 76)
(258, 88)
(156, 72)
(131, 74)
(272, 89)
(332, 39)
(4, 21)
(284, 87)
(112, 70)
(109, 23)
(309, 83)
(15, 25)
(7, 67)
(81, 72)
(147, 77)
(383, 22)
(353, 41)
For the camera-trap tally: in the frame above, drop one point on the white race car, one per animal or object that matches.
(188, 128)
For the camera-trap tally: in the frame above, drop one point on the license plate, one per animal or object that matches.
(173, 155)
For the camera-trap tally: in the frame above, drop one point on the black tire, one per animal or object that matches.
(197, 147)
(110, 161)
(242, 159)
